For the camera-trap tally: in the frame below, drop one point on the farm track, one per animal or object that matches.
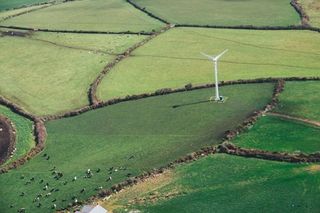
(290, 117)
(228, 148)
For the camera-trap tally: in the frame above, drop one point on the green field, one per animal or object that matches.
(24, 134)
(224, 12)
(131, 137)
(9, 4)
(9, 13)
(312, 8)
(55, 77)
(98, 15)
(301, 99)
(173, 59)
(224, 183)
(277, 134)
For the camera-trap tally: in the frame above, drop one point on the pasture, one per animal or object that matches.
(300, 99)
(277, 134)
(24, 135)
(87, 15)
(224, 12)
(6, 5)
(312, 8)
(9, 13)
(226, 183)
(124, 140)
(173, 59)
(50, 73)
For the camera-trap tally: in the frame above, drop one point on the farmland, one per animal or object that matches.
(312, 8)
(271, 134)
(301, 99)
(224, 13)
(5, 5)
(113, 102)
(25, 140)
(227, 183)
(87, 15)
(131, 137)
(57, 69)
(173, 59)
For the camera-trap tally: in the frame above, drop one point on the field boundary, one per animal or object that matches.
(166, 91)
(93, 100)
(303, 15)
(12, 138)
(231, 149)
(294, 118)
(78, 31)
(147, 12)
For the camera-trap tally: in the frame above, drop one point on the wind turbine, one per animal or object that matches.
(215, 62)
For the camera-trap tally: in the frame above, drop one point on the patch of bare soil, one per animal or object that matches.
(7, 139)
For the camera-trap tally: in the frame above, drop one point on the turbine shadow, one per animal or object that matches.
(190, 104)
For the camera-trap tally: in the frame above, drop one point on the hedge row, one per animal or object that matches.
(303, 15)
(15, 108)
(78, 31)
(166, 91)
(12, 138)
(147, 12)
(40, 137)
(231, 149)
(93, 87)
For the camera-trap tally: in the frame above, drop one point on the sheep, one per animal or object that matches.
(109, 179)
(75, 178)
(22, 194)
(48, 194)
(54, 200)
(54, 206)
(98, 170)
(82, 190)
(45, 188)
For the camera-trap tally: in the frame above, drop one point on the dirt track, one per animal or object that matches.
(7, 139)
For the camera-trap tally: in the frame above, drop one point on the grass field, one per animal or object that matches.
(24, 140)
(277, 134)
(56, 76)
(9, 13)
(301, 99)
(224, 183)
(98, 15)
(312, 8)
(224, 12)
(9, 4)
(173, 59)
(130, 137)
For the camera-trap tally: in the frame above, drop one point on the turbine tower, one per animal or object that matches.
(215, 63)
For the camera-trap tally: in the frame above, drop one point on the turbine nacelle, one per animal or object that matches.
(214, 58)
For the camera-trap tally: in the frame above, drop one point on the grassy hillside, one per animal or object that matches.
(312, 8)
(98, 15)
(300, 99)
(277, 134)
(224, 12)
(57, 69)
(9, 4)
(24, 134)
(173, 59)
(129, 138)
(224, 183)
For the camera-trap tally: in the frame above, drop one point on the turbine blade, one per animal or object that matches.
(208, 56)
(221, 54)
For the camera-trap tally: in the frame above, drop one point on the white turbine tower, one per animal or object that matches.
(215, 62)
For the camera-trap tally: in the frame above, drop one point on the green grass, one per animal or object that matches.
(151, 130)
(98, 15)
(46, 78)
(24, 134)
(277, 134)
(9, 13)
(300, 99)
(225, 183)
(173, 59)
(9, 4)
(312, 8)
(224, 12)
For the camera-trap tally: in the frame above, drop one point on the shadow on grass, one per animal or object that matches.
(190, 104)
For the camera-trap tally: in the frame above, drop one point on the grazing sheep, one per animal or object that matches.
(54, 206)
(41, 181)
(32, 179)
(48, 158)
(82, 190)
(75, 178)
(22, 194)
(48, 194)
(88, 171)
(98, 170)
(45, 187)
(109, 179)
